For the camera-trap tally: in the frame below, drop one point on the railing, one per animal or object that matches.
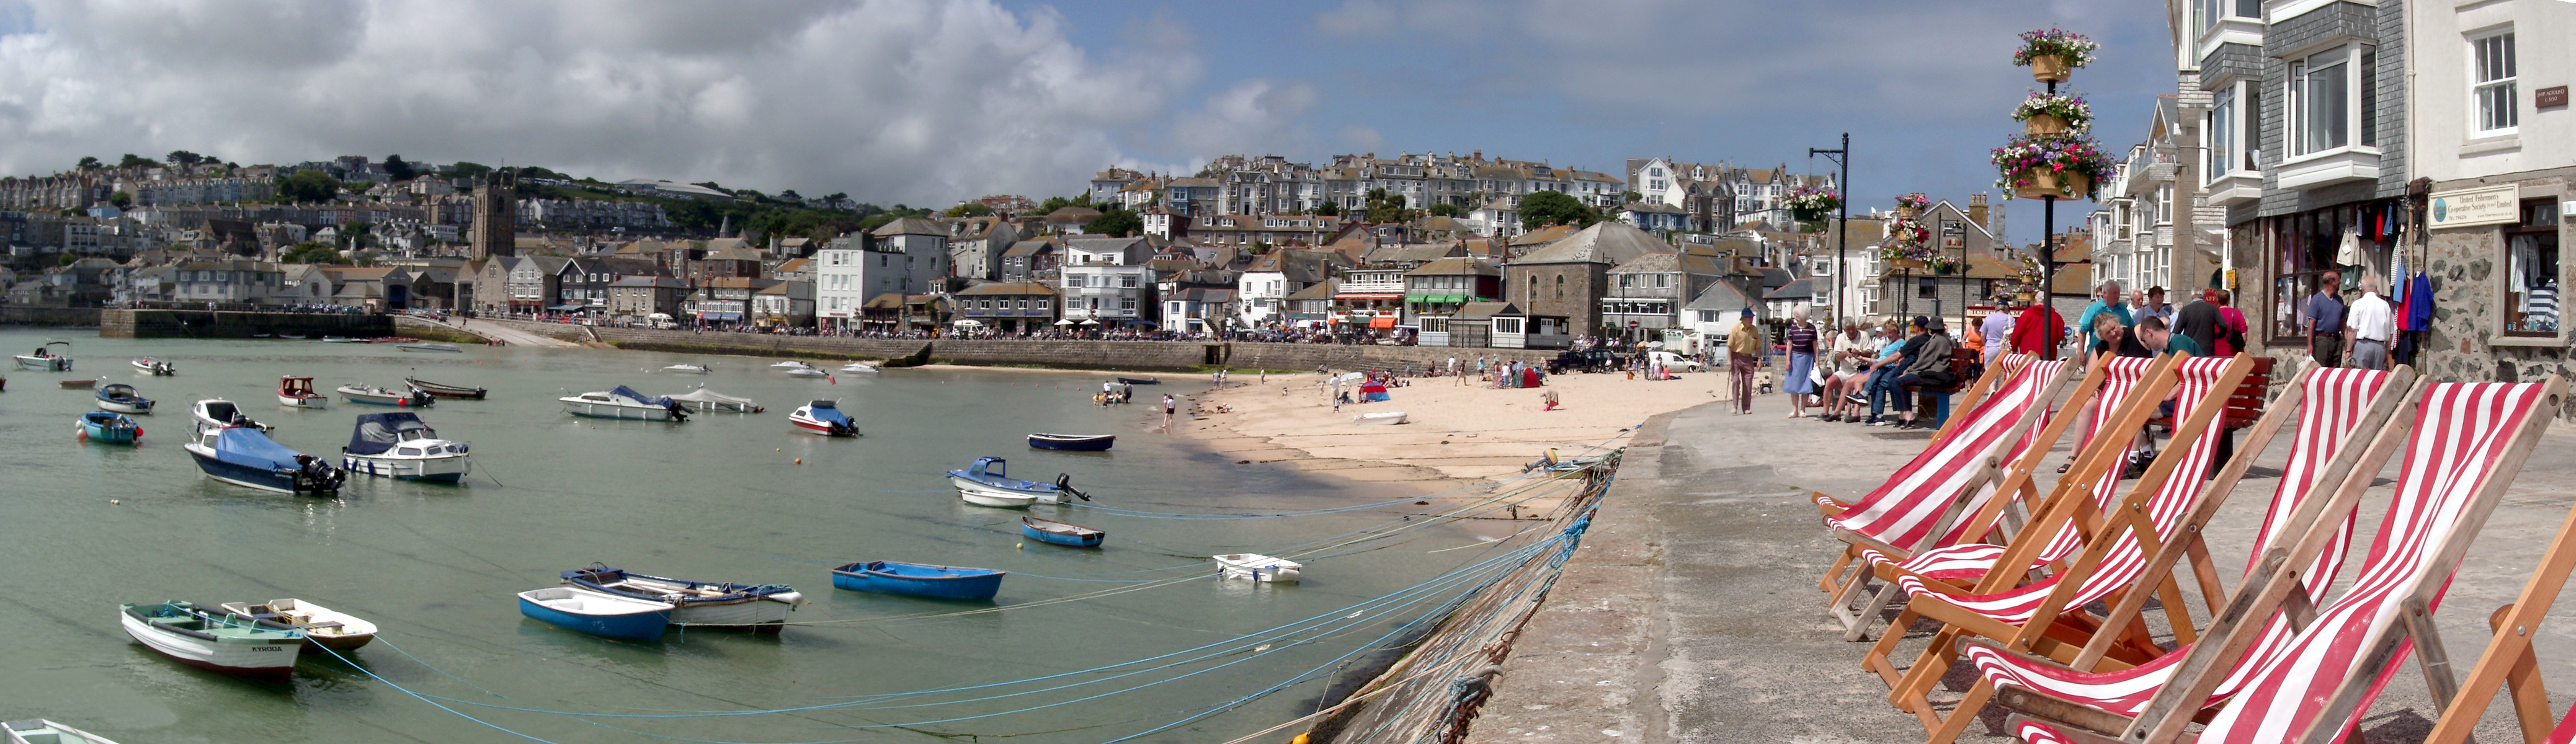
(250, 307)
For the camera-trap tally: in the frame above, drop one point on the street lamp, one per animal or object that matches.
(1841, 156)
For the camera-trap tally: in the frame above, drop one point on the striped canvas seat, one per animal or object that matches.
(1906, 507)
(2309, 687)
(2332, 405)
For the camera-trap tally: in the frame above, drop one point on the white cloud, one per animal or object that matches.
(889, 100)
(1253, 116)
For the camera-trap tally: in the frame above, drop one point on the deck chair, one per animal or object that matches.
(1962, 560)
(1949, 486)
(2333, 408)
(2465, 443)
(2509, 661)
(1995, 375)
(2046, 614)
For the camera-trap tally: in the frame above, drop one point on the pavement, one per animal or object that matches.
(502, 333)
(1690, 614)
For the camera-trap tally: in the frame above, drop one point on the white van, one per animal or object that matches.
(1673, 361)
(661, 320)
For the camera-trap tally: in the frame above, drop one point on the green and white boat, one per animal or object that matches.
(41, 731)
(214, 641)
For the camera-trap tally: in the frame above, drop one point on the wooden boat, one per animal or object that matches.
(377, 396)
(108, 428)
(82, 384)
(243, 456)
(1073, 442)
(687, 369)
(399, 446)
(1066, 534)
(709, 400)
(436, 348)
(444, 391)
(862, 368)
(1140, 381)
(41, 731)
(297, 392)
(1258, 567)
(596, 613)
(760, 608)
(1383, 418)
(323, 627)
(121, 398)
(987, 483)
(46, 359)
(155, 367)
(919, 580)
(623, 403)
(218, 642)
(824, 417)
(217, 413)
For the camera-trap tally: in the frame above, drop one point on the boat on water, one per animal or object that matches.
(80, 384)
(297, 392)
(399, 446)
(444, 391)
(243, 456)
(46, 359)
(790, 364)
(1383, 418)
(624, 403)
(806, 370)
(1073, 442)
(155, 367)
(122, 398)
(1258, 567)
(919, 580)
(378, 396)
(761, 608)
(862, 368)
(597, 613)
(213, 641)
(1140, 381)
(709, 400)
(431, 348)
(986, 483)
(108, 427)
(687, 369)
(1066, 534)
(824, 417)
(217, 413)
(342, 340)
(41, 731)
(323, 627)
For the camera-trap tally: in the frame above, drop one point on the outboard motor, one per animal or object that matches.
(679, 412)
(315, 476)
(1064, 484)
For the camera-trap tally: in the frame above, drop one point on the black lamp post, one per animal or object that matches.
(1841, 156)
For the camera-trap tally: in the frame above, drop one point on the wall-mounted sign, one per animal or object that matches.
(2491, 205)
(2550, 97)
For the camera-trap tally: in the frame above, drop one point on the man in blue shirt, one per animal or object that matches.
(2106, 299)
(2323, 318)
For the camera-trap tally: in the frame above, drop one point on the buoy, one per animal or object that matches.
(782, 449)
(1022, 546)
(114, 502)
(800, 461)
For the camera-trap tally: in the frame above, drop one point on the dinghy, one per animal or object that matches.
(377, 396)
(217, 642)
(761, 608)
(444, 391)
(623, 403)
(243, 456)
(824, 417)
(41, 731)
(1140, 381)
(709, 400)
(297, 392)
(81, 384)
(122, 398)
(1258, 567)
(1066, 534)
(687, 369)
(596, 613)
(919, 580)
(433, 348)
(1384, 418)
(861, 368)
(986, 483)
(399, 446)
(323, 627)
(46, 359)
(804, 371)
(108, 428)
(217, 413)
(155, 367)
(1073, 442)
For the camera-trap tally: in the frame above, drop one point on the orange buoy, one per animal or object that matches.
(800, 461)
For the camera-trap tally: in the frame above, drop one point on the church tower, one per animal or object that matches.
(495, 216)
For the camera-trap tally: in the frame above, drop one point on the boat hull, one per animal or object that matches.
(380, 399)
(272, 659)
(819, 426)
(1389, 418)
(44, 364)
(125, 407)
(240, 475)
(109, 435)
(443, 468)
(446, 391)
(1084, 539)
(1259, 568)
(640, 626)
(685, 369)
(587, 409)
(757, 615)
(977, 587)
(1072, 444)
(431, 349)
(300, 401)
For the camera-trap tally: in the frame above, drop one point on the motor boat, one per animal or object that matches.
(759, 608)
(986, 483)
(624, 403)
(155, 367)
(46, 359)
(824, 417)
(121, 398)
(398, 445)
(323, 627)
(217, 413)
(806, 370)
(445, 391)
(377, 396)
(297, 392)
(1258, 567)
(243, 456)
(789, 364)
(709, 400)
(687, 369)
(862, 368)
(108, 427)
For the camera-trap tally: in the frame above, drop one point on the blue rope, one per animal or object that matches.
(459, 714)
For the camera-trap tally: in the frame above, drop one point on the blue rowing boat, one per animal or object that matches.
(919, 580)
(597, 613)
(1073, 442)
(1066, 534)
(110, 428)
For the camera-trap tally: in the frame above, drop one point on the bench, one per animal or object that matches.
(1964, 363)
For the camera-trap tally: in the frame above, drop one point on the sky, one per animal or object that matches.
(927, 102)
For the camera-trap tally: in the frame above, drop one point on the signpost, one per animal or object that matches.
(2492, 205)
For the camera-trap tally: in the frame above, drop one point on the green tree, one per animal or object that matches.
(66, 258)
(464, 169)
(1555, 208)
(1115, 222)
(120, 199)
(88, 163)
(131, 160)
(1445, 209)
(1631, 197)
(1326, 209)
(968, 209)
(308, 186)
(309, 253)
(394, 166)
(186, 159)
(1384, 207)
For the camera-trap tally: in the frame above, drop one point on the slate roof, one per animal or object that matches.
(1605, 242)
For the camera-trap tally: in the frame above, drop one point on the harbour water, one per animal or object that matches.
(720, 497)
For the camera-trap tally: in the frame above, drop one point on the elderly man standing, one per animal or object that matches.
(2323, 316)
(2368, 326)
(1744, 347)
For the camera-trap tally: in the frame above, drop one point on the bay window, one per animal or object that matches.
(2221, 132)
(2331, 123)
(2320, 103)
(2494, 76)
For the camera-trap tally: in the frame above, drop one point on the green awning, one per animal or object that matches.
(1451, 298)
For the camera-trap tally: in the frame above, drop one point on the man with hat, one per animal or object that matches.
(1744, 348)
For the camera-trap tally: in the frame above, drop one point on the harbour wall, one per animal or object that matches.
(1071, 354)
(48, 316)
(232, 324)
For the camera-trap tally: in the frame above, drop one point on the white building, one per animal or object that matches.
(903, 257)
(1106, 279)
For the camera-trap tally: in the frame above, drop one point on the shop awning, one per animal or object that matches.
(1368, 297)
(720, 316)
(566, 308)
(1382, 321)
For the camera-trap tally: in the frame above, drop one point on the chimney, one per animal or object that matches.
(1995, 222)
(1977, 208)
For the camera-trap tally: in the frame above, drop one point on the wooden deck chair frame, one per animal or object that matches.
(2102, 528)
(2375, 417)
(2509, 661)
(2003, 369)
(2178, 703)
(2014, 483)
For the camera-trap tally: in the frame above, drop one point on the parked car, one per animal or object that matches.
(1673, 361)
(1591, 360)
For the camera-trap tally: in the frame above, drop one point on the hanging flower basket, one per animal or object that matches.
(2061, 167)
(1905, 263)
(1945, 267)
(2026, 298)
(2053, 54)
(2042, 184)
(1812, 204)
(1908, 243)
(2045, 115)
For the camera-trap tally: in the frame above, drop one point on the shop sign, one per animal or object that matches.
(2492, 205)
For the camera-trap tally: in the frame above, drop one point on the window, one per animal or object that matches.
(2531, 271)
(1073, 281)
(2323, 107)
(1663, 281)
(1927, 287)
(2221, 132)
(2494, 74)
(1127, 282)
(1560, 286)
(1127, 304)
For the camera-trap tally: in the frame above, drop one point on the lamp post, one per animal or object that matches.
(1841, 156)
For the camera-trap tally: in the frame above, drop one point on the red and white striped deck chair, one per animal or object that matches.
(1995, 374)
(2334, 408)
(1937, 496)
(2509, 660)
(2044, 613)
(1962, 561)
(2464, 443)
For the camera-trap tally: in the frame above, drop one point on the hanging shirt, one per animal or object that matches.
(2419, 312)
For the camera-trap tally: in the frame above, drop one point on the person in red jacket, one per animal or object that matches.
(2037, 331)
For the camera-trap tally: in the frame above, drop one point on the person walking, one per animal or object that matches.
(2038, 332)
(1998, 328)
(1744, 347)
(2368, 326)
(2323, 318)
(2232, 327)
(1801, 339)
(1171, 409)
